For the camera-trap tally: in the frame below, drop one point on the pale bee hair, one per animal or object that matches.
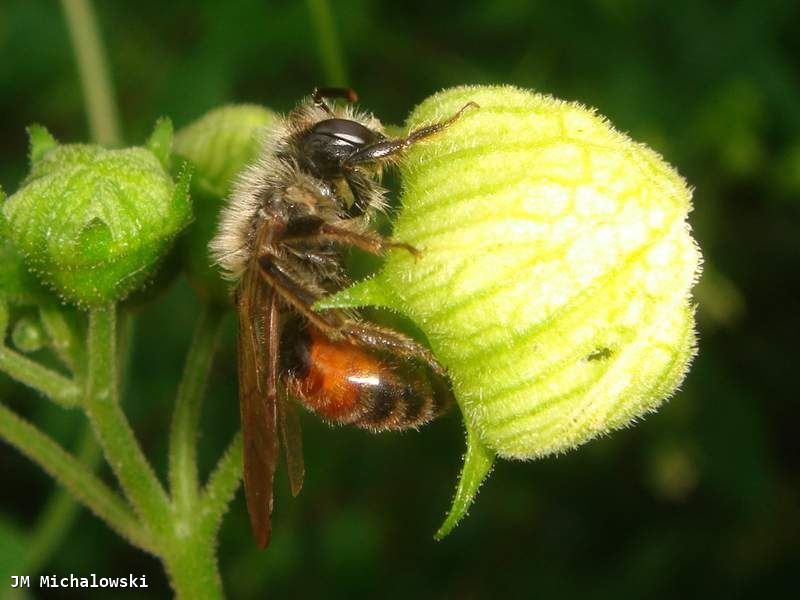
(232, 246)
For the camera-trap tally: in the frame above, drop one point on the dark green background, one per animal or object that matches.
(699, 499)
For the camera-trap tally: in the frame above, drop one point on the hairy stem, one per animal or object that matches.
(74, 476)
(330, 50)
(61, 510)
(188, 403)
(93, 71)
(59, 389)
(125, 339)
(121, 449)
(189, 554)
(191, 565)
(222, 486)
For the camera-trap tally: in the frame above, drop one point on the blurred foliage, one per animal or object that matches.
(700, 499)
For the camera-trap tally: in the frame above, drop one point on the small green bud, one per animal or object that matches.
(219, 144)
(93, 223)
(28, 335)
(555, 272)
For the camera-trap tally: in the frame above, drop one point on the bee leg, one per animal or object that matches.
(336, 325)
(372, 243)
(391, 341)
(386, 148)
(300, 297)
(312, 227)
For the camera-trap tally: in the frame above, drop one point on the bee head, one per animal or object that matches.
(330, 142)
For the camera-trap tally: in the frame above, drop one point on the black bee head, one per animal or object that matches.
(327, 144)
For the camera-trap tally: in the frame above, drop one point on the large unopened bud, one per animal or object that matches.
(92, 223)
(554, 277)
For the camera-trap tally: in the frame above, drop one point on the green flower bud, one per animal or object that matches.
(555, 272)
(27, 335)
(219, 144)
(93, 223)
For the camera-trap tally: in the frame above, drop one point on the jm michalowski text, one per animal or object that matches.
(74, 581)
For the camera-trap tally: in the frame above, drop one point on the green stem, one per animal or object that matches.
(330, 50)
(125, 339)
(191, 565)
(188, 403)
(59, 389)
(222, 486)
(73, 475)
(60, 511)
(111, 427)
(93, 71)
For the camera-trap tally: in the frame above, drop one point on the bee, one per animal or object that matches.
(281, 239)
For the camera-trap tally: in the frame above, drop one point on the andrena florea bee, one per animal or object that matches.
(281, 237)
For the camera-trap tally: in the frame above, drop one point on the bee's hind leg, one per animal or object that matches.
(391, 341)
(336, 324)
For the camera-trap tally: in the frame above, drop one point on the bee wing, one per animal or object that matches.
(259, 334)
(292, 443)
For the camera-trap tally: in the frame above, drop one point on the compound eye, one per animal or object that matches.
(349, 132)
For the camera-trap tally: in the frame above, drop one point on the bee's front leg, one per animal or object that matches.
(314, 227)
(369, 242)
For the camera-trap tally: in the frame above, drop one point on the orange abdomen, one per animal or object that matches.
(345, 383)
